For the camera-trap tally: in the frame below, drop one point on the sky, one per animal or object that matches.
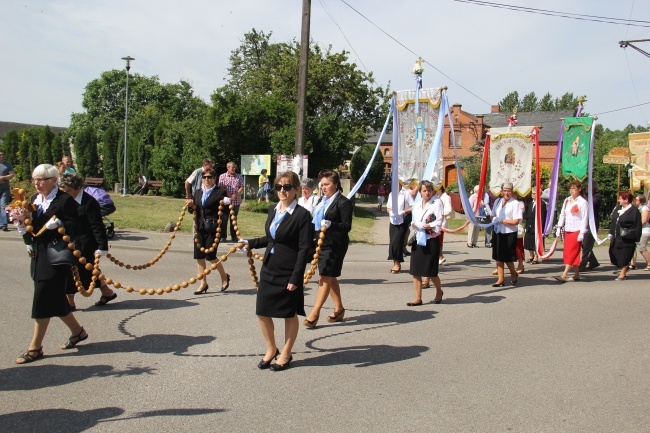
(51, 50)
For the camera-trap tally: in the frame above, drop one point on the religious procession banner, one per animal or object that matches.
(416, 133)
(511, 158)
(576, 142)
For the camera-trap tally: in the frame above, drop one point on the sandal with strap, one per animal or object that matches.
(27, 357)
(74, 340)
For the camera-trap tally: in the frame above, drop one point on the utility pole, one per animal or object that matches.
(302, 86)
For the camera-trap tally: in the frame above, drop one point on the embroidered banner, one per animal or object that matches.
(511, 158)
(575, 146)
(416, 134)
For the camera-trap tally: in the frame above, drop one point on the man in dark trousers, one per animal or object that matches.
(589, 260)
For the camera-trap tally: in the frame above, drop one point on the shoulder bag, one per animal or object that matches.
(58, 253)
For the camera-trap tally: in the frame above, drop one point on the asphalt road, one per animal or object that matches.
(538, 357)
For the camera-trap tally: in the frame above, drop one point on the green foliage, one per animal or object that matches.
(85, 149)
(261, 207)
(530, 102)
(342, 102)
(360, 161)
(45, 141)
(10, 145)
(108, 150)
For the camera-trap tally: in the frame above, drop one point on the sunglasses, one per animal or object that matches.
(208, 177)
(286, 187)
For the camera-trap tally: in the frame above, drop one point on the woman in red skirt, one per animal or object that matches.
(574, 219)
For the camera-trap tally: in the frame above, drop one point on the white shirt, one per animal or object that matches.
(447, 209)
(574, 215)
(397, 215)
(308, 204)
(510, 210)
(47, 201)
(645, 228)
(420, 214)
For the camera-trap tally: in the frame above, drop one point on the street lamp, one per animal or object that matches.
(126, 118)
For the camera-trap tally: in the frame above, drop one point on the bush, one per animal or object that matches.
(254, 206)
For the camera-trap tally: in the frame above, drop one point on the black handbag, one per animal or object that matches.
(58, 253)
(628, 234)
(412, 240)
(210, 225)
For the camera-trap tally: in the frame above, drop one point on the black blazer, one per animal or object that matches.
(65, 208)
(92, 232)
(530, 217)
(292, 243)
(209, 211)
(339, 213)
(630, 219)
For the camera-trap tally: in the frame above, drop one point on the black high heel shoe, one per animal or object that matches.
(201, 291)
(263, 365)
(502, 284)
(514, 282)
(281, 367)
(223, 288)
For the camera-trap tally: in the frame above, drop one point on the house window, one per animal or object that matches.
(386, 152)
(457, 138)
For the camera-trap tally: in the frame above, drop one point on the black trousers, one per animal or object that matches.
(225, 219)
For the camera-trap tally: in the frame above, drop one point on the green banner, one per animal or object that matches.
(575, 146)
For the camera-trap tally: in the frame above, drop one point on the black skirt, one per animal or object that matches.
(273, 298)
(49, 295)
(621, 251)
(424, 259)
(205, 239)
(330, 260)
(504, 247)
(397, 233)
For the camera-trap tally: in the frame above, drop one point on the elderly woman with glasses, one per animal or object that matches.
(205, 205)
(507, 213)
(289, 233)
(54, 209)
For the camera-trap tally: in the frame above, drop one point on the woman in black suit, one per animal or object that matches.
(335, 213)
(91, 238)
(49, 281)
(622, 248)
(289, 233)
(205, 203)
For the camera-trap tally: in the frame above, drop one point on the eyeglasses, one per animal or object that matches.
(286, 187)
(42, 180)
(208, 177)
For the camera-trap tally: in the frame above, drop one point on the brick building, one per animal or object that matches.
(472, 128)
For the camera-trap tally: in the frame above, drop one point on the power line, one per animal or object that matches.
(414, 53)
(344, 36)
(569, 15)
(621, 109)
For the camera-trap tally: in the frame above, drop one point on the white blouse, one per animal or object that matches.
(420, 214)
(510, 210)
(394, 214)
(308, 204)
(574, 215)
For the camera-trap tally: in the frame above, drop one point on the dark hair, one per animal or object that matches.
(626, 195)
(263, 171)
(293, 178)
(576, 184)
(441, 189)
(641, 198)
(210, 171)
(207, 161)
(331, 175)
(72, 181)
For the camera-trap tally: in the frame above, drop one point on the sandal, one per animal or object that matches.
(27, 357)
(396, 271)
(105, 300)
(77, 339)
(336, 317)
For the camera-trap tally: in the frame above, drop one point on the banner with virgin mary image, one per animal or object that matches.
(511, 158)
(416, 133)
(575, 146)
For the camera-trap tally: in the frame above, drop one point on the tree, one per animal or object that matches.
(45, 140)
(342, 105)
(360, 161)
(530, 103)
(11, 145)
(109, 145)
(508, 104)
(85, 149)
